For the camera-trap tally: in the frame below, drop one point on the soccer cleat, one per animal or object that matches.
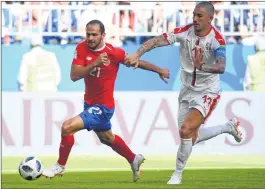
(135, 165)
(175, 178)
(55, 170)
(234, 124)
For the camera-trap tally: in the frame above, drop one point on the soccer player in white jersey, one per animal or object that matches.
(202, 58)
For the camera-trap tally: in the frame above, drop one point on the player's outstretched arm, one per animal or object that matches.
(157, 41)
(163, 73)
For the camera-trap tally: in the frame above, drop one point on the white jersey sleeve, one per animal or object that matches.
(177, 35)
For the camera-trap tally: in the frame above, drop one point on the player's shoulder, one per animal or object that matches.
(218, 37)
(110, 47)
(82, 48)
(117, 52)
(182, 29)
(81, 45)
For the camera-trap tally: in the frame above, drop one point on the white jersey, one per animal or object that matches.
(210, 44)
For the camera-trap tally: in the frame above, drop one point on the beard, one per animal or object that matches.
(94, 45)
(198, 28)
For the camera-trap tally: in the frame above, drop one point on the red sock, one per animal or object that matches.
(121, 148)
(65, 148)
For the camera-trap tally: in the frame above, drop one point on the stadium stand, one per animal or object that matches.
(128, 24)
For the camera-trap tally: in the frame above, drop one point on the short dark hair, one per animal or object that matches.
(101, 25)
(209, 6)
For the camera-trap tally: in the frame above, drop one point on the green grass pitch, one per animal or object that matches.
(207, 171)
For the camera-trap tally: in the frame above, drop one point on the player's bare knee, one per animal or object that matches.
(111, 139)
(67, 128)
(186, 131)
(107, 140)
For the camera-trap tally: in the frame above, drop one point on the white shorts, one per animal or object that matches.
(205, 101)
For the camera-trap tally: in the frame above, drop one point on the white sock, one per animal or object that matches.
(183, 154)
(210, 132)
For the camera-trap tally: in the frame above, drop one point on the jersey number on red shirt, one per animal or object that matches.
(95, 72)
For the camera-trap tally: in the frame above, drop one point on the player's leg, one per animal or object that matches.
(189, 120)
(68, 129)
(200, 109)
(188, 131)
(100, 123)
(116, 143)
(119, 146)
(97, 118)
(230, 127)
(183, 112)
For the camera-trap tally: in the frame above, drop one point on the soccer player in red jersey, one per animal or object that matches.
(98, 63)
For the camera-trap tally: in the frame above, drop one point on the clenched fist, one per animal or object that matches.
(102, 59)
(164, 75)
(132, 60)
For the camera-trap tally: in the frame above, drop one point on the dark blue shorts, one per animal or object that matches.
(97, 117)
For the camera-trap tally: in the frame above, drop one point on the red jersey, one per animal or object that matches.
(99, 84)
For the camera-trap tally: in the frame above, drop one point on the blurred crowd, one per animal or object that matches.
(18, 22)
(40, 23)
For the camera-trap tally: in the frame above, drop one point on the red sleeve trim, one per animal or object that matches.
(178, 30)
(165, 36)
(219, 37)
(182, 29)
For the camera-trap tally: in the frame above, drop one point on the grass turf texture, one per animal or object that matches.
(207, 178)
(210, 171)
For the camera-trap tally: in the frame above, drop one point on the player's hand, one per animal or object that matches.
(132, 60)
(164, 75)
(197, 57)
(102, 59)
